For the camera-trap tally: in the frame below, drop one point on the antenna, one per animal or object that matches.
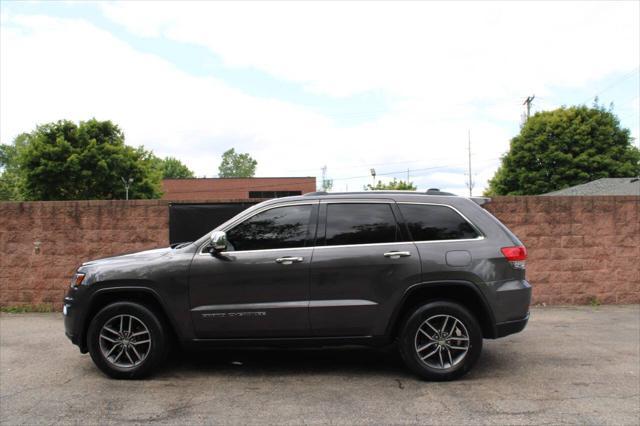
(470, 183)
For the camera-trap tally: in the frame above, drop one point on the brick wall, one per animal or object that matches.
(42, 243)
(212, 189)
(580, 248)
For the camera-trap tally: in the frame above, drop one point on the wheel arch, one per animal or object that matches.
(136, 292)
(463, 292)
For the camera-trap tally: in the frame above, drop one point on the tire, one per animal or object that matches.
(127, 340)
(417, 346)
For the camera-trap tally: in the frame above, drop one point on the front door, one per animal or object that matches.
(361, 265)
(259, 286)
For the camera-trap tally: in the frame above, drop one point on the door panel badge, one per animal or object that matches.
(215, 315)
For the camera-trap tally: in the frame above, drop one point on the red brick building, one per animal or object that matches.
(212, 189)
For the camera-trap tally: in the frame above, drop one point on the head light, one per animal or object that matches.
(77, 279)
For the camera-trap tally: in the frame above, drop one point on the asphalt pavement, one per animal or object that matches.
(575, 365)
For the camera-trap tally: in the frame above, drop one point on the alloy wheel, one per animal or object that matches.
(442, 341)
(125, 341)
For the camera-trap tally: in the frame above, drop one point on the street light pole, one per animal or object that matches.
(127, 184)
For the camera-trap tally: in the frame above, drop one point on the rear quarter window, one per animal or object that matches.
(434, 223)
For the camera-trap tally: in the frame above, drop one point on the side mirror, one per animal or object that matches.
(218, 241)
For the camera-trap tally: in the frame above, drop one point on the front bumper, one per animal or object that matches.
(72, 319)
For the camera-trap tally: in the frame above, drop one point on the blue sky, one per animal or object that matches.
(350, 86)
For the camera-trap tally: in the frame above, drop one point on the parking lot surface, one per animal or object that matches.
(575, 365)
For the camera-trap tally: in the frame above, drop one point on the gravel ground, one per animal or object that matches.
(577, 365)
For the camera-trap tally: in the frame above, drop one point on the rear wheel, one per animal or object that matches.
(127, 340)
(440, 340)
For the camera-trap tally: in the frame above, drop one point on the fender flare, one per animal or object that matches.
(119, 288)
(440, 284)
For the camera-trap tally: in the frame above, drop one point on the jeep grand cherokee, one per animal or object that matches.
(434, 274)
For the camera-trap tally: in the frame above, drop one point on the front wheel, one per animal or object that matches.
(440, 340)
(127, 340)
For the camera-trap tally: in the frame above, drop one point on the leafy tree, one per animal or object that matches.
(565, 147)
(68, 161)
(237, 165)
(327, 185)
(172, 168)
(393, 185)
(11, 181)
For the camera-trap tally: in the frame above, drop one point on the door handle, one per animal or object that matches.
(288, 260)
(397, 254)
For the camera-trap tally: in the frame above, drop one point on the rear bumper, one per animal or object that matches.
(510, 327)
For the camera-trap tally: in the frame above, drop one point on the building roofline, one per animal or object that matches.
(257, 177)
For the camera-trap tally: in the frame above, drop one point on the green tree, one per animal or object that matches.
(237, 165)
(172, 168)
(393, 185)
(68, 161)
(11, 181)
(565, 147)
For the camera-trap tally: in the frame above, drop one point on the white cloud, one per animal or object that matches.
(447, 67)
(455, 50)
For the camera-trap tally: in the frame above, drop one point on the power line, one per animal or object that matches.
(365, 165)
(288, 185)
(615, 83)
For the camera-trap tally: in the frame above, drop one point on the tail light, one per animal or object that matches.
(516, 256)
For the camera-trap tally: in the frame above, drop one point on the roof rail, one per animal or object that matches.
(431, 191)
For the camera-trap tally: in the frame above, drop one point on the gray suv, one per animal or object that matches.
(434, 274)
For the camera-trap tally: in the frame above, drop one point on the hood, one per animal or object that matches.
(140, 255)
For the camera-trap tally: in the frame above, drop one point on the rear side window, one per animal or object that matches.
(431, 223)
(360, 223)
(278, 228)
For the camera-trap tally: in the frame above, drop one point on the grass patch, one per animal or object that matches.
(20, 309)
(593, 301)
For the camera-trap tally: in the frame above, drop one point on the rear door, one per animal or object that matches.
(362, 262)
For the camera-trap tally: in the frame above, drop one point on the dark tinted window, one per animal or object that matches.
(427, 223)
(280, 227)
(360, 224)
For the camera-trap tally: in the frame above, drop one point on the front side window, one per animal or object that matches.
(277, 228)
(431, 223)
(360, 223)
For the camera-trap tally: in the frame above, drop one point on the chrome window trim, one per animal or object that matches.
(461, 240)
(231, 253)
(358, 201)
(241, 219)
(481, 235)
(362, 245)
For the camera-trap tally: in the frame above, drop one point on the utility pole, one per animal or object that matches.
(407, 176)
(527, 102)
(470, 183)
